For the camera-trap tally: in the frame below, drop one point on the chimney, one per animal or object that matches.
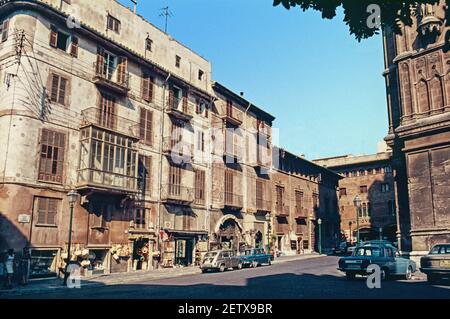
(134, 5)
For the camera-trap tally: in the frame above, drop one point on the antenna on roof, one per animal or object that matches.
(134, 5)
(166, 13)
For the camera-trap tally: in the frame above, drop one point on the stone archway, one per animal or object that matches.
(229, 233)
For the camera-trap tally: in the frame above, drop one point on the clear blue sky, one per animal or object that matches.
(324, 87)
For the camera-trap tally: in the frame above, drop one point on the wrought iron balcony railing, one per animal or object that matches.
(178, 149)
(233, 116)
(97, 117)
(95, 178)
(263, 205)
(233, 200)
(111, 78)
(177, 193)
(180, 109)
(281, 210)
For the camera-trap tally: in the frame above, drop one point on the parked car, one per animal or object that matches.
(380, 253)
(254, 257)
(436, 264)
(341, 248)
(220, 260)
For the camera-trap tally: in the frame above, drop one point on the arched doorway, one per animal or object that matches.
(229, 233)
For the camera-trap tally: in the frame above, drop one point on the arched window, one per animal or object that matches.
(437, 95)
(422, 97)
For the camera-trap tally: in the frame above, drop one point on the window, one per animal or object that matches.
(259, 193)
(147, 87)
(149, 44)
(200, 141)
(47, 209)
(199, 186)
(4, 28)
(342, 191)
(58, 89)
(52, 156)
(140, 218)
(113, 23)
(175, 180)
(145, 173)
(177, 61)
(145, 126)
(279, 191)
(200, 75)
(229, 189)
(363, 189)
(299, 201)
(201, 107)
(61, 40)
(315, 201)
(354, 173)
(385, 187)
(362, 172)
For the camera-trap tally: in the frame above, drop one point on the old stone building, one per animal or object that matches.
(369, 177)
(418, 96)
(305, 200)
(168, 164)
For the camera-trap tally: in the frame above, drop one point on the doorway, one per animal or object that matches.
(184, 251)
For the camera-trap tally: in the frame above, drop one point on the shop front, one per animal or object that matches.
(44, 263)
(183, 248)
(228, 234)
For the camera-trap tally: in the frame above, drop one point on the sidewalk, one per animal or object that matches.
(44, 285)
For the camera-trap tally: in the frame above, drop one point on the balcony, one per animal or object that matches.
(264, 130)
(233, 116)
(178, 150)
(177, 194)
(178, 109)
(263, 205)
(281, 210)
(95, 179)
(96, 117)
(104, 77)
(301, 212)
(282, 228)
(234, 201)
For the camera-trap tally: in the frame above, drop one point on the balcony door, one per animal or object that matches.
(175, 180)
(280, 197)
(229, 187)
(107, 111)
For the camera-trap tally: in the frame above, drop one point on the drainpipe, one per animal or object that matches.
(160, 166)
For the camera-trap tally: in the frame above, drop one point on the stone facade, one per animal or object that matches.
(418, 94)
(370, 177)
(165, 160)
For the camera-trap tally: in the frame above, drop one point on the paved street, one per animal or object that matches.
(310, 278)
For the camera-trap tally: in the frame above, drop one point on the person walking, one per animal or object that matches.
(9, 266)
(25, 265)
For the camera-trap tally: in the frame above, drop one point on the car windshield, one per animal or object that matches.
(440, 249)
(368, 251)
(211, 254)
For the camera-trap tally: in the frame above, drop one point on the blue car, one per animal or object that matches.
(255, 257)
(380, 253)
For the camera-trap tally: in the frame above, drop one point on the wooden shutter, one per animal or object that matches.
(197, 106)
(5, 29)
(53, 37)
(62, 91)
(146, 123)
(171, 97)
(185, 101)
(100, 61)
(145, 88)
(74, 47)
(122, 71)
(54, 88)
(42, 211)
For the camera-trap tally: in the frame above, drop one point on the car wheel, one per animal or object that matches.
(254, 264)
(222, 268)
(408, 274)
(350, 276)
(239, 266)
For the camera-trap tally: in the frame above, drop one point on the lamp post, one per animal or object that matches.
(319, 222)
(269, 229)
(72, 197)
(350, 229)
(357, 203)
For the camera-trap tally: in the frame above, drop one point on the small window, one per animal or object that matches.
(149, 44)
(58, 90)
(200, 75)
(177, 61)
(363, 189)
(385, 187)
(47, 209)
(113, 23)
(4, 28)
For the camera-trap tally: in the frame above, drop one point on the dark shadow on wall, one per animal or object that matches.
(10, 235)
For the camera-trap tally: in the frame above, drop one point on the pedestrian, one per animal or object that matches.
(25, 265)
(9, 266)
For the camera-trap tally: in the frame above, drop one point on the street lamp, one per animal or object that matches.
(357, 202)
(269, 228)
(350, 229)
(72, 197)
(319, 221)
